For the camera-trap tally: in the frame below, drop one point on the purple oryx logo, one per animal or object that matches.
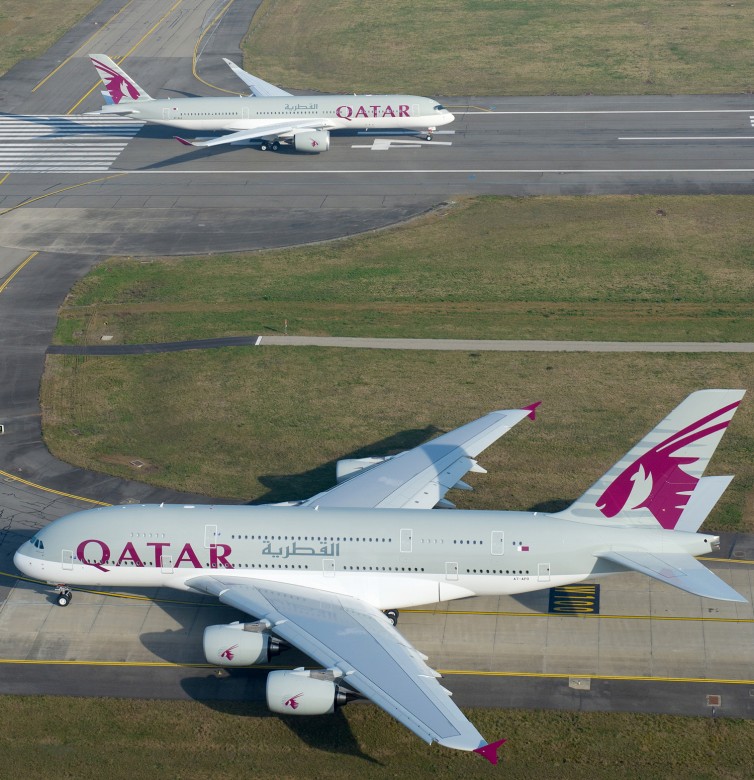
(656, 481)
(118, 86)
(228, 653)
(293, 701)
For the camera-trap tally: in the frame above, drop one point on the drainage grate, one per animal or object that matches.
(714, 700)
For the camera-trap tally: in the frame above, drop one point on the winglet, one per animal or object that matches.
(182, 141)
(490, 751)
(532, 409)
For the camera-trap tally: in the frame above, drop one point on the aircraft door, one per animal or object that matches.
(67, 560)
(244, 112)
(328, 567)
(543, 572)
(166, 564)
(497, 543)
(210, 536)
(451, 570)
(407, 540)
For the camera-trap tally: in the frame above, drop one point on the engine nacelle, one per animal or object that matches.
(239, 644)
(298, 692)
(312, 141)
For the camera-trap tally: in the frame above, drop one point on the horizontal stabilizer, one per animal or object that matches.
(702, 501)
(680, 570)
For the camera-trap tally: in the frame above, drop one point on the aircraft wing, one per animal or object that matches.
(261, 131)
(678, 569)
(258, 87)
(351, 637)
(420, 478)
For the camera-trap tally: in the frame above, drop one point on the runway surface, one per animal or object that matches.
(74, 189)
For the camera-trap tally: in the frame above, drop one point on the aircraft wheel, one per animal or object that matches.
(264, 146)
(428, 136)
(392, 616)
(275, 146)
(63, 599)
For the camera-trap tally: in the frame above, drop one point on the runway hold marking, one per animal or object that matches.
(61, 143)
(574, 600)
(383, 144)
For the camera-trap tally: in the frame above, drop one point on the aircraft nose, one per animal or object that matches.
(22, 563)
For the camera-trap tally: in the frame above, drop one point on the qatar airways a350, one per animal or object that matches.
(269, 115)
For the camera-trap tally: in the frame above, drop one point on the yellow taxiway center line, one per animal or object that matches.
(47, 195)
(578, 615)
(84, 44)
(561, 676)
(10, 278)
(198, 42)
(726, 560)
(42, 487)
(130, 51)
(444, 672)
(2, 181)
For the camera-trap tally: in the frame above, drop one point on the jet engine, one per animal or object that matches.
(300, 692)
(312, 141)
(240, 644)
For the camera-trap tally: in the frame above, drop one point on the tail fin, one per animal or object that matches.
(120, 87)
(654, 482)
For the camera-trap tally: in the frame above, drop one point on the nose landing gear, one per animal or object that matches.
(64, 595)
(392, 616)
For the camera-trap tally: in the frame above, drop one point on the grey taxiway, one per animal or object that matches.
(77, 191)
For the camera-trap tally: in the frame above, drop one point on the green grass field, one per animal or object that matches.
(487, 47)
(267, 423)
(607, 268)
(29, 28)
(56, 737)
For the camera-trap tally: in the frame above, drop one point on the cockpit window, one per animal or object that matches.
(37, 543)
(438, 107)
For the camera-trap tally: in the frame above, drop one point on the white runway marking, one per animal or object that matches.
(63, 143)
(689, 138)
(483, 112)
(383, 144)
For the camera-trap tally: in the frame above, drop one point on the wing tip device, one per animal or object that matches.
(489, 751)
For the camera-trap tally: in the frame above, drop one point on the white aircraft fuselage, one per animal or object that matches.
(391, 559)
(333, 112)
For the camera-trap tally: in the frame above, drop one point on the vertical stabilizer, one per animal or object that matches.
(654, 482)
(119, 85)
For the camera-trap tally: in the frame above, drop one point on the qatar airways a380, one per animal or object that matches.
(269, 115)
(318, 574)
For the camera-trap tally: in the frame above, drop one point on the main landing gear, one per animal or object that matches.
(273, 146)
(64, 595)
(391, 615)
